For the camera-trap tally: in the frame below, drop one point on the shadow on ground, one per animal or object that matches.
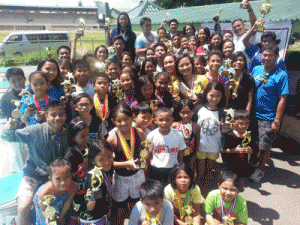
(264, 216)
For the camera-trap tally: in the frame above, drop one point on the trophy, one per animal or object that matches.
(101, 66)
(111, 50)
(246, 140)
(50, 211)
(153, 105)
(154, 221)
(217, 16)
(16, 113)
(228, 220)
(188, 218)
(243, 4)
(175, 89)
(116, 87)
(229, 73)
(228, 119)
(264, 9)
(25, 93)
(49, 55)
(81, 27)
(97, 180)
(144, 154)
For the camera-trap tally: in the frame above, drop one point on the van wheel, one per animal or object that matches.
(18, 54)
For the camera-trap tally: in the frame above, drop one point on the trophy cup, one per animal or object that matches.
(246, 140)
(49, 55)
(16, 113)
(264, 9)
(188, 218)
(50, 211)
(97, 180)
(217, 16)
(25, 93)
(81, 27)
(69, 84)
(153, 105)
(111, 51)
(144, 154)
(154, 221)
(228, 119)
(228, 220)
(229, 73)
(175, 89)
(243, 4)
(116, 87)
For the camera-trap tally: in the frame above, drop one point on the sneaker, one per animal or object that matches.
(257, 175)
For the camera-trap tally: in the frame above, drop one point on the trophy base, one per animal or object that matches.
(227, 126)
(260, 29)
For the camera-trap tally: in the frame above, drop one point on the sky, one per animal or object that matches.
(112, 3)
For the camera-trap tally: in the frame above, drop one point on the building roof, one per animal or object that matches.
(114, 13)
(47, 8)
(145, 8)
(282, 10)
(103, 8)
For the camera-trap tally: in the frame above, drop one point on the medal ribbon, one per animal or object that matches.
(189, 90)
(78, 150)
(37, 104)
(232, 207)
(237, 84)
(219, 78)
(128, 151)
(148, 217)
(127, 99)
(101, 111)
(160, 99)
(179, 202)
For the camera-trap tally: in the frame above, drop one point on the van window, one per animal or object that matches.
(34, 38)
(14, 39)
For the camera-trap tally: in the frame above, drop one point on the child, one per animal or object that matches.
(162, 82)
(127, 58)
(46, 142)
(166, 148)
(199, 64)
(118, 44)
(226, 203)
(114, 68)
(61, 187)
(16, 79)
(203, 39)
(65, 67)
(162, 34)
(193, 43)
(104, 102)
(152, 208)
(95, 207)
(150, 54)
(237, 162)
(148, 68)
(145, 89)
(184, 44)
(142, 115)
(169, 66)
(33, 114)
(160, 52)
(210, 135)
(82, 74)
(182, 191)
(128, 87)
(126, 143)
(101, 53)
(216, 42)
(83, 104)
(176, 43)
(189, 130)
(50, 67)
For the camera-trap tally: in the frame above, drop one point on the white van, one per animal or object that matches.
(19, 43)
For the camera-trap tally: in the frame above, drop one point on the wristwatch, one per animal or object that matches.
(276, 123)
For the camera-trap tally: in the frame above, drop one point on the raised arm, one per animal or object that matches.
(249, 34)
(73, 47)
(252, 16)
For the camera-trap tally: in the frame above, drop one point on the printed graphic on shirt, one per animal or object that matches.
(164, 149)
(209, 126)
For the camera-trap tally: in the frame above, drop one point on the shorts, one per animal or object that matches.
(28, 186)
(209, 155)
(266, 135)
(124, 187)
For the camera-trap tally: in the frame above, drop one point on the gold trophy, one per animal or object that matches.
(97, 180)
(229, 73)
(154, 221)
(243, 4)
(68, 84)
(25, 93)
(153, 105)
(188, 218)
(217, 16)
(49, 55)
(228, 119)
(175, 88)
(229, 220)
(117, 90)
(50, 211)
(16, 113)
(264, 9)
(144, 154)
(81, 27)
(111, 50)
(246, 140)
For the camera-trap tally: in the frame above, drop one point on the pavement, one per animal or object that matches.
(275, 200)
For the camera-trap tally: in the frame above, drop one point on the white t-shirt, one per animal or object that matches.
(137, 215)
(165, 148)
(144, 41)
(89, 89)
(210, 133)
(239, 45)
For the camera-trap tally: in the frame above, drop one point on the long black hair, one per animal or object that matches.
(56, 82)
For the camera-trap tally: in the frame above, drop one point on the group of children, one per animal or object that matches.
(139, 136)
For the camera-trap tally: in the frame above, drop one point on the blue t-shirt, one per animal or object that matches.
(54, 93)
(254, 53)
(268, 93)
(143, 41)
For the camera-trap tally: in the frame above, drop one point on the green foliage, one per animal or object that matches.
(8, 62)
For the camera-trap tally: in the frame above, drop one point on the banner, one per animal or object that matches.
(282, 30)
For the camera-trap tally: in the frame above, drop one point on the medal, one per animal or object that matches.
(187, 152)
(16, 114)
(101, 111)
(128, 152)
(119, 94)
(227, 219)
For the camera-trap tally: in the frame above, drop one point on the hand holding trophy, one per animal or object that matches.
(97, 180)
(117, 90)
(189, 211)
(246, 140)
(264, 9)
(229, 118)
(144, 154)
(16, 113)
(50, 211)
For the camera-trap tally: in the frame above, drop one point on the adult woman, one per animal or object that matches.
(124, 29)
(189, 30)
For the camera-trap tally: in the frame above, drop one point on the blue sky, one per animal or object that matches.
(112, 3)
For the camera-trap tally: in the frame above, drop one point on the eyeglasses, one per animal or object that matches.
(81, 105)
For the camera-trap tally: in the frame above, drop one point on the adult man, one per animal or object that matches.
(145, 39)
(173, 26)
(272, 85)
(63, 52)
(255, 53)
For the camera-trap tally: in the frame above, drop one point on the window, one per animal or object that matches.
(14, 39)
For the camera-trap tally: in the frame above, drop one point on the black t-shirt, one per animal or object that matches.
(247, 85)
(167, 101)
(238, 162)
(120, 155)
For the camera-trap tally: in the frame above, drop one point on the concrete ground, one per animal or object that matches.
(275, 200)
